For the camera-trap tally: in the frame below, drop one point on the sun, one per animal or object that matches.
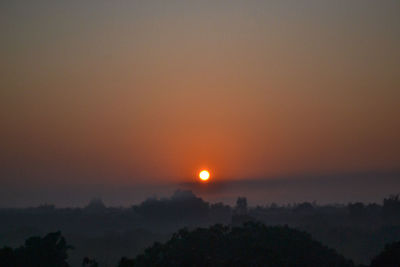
(204, 175)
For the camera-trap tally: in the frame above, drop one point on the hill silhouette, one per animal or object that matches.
(389, 257)
(49, 251)
(253, 244)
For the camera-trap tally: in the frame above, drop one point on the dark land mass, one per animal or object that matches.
(213, 234)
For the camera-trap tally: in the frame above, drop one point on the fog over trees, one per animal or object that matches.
(97, 235)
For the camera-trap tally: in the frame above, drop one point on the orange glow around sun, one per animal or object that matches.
(204, 175)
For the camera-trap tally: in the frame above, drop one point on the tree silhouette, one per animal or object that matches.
(391, 208)
(48, 251)
(7, 257)
(88, 262)
(253, 244)
(241, 206)
(183, 205)
(389, 257)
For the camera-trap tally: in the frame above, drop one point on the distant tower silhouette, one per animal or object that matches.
(240, 213)
(241, 206)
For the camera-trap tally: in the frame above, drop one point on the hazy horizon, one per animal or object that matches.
(368, 187)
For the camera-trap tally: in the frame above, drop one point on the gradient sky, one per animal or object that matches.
(149, 92)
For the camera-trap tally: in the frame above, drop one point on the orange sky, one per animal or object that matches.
(149, 91)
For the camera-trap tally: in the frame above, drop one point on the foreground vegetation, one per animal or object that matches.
(252, 244)
(357, 231)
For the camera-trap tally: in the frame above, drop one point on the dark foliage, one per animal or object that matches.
(389, 257)
(391, 208)
(357, 210)
(253, 244)
(183, 205)
(358, 231)
(124, 262)
(88, 262)
(7, 257)
(48, 251)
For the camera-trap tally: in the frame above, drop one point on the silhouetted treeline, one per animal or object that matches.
(49, 251)
(389, 257)
(358, 231)
(183, 206)
(251, 244)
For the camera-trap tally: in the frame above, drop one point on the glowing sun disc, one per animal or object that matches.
(204, 175)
